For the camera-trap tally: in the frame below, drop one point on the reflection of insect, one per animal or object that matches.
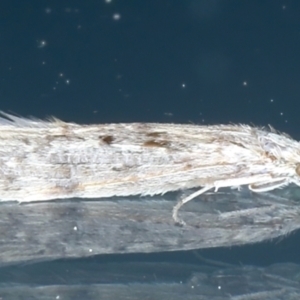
(43, 160)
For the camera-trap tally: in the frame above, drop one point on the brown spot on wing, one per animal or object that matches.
(153, 143)
(107, 139)
(155, 134)
(298, 169)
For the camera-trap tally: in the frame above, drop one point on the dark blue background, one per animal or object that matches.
(200, 61)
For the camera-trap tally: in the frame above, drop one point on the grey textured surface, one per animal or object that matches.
(78, 228)
(156, 281)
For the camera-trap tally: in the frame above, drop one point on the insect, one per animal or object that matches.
(44, 160)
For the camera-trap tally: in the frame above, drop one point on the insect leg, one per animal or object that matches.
(268, 186)
(185, 200)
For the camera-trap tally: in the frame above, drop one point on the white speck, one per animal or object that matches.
(57, 297)
(108, 1)
(67, 81)
(116, 17)
(41, 43)
(219, 287)
(245, 83)
(75, 228)
(183, 85)
(90, 250)
(48, 10)
(281, 113)
(272, 100)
